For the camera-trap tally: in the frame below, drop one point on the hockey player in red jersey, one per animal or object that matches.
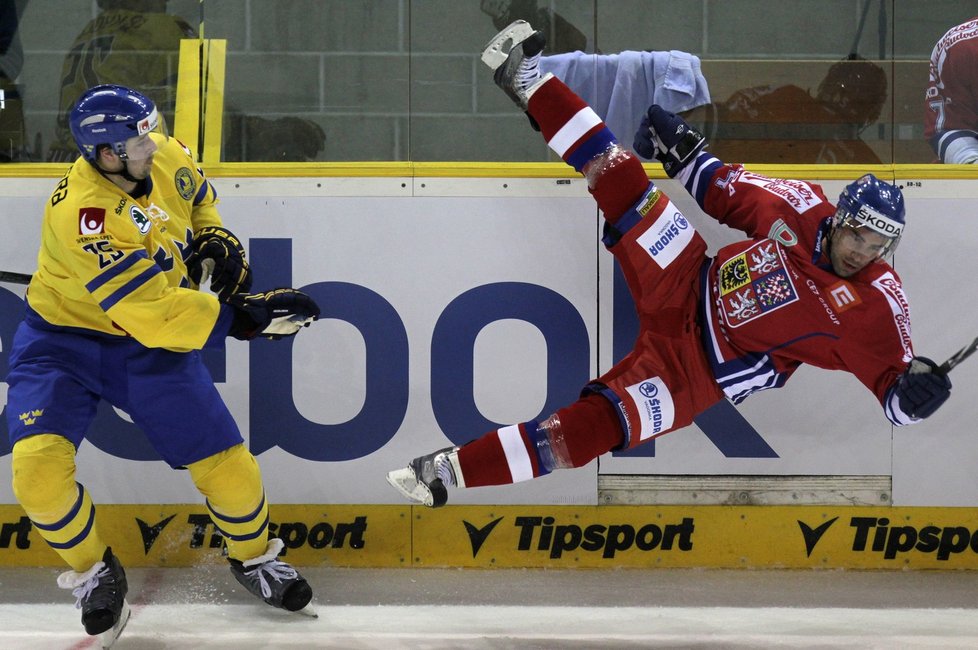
(951, 114)
(810, 285)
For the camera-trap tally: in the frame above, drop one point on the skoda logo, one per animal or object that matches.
(681, 221)
(648, 389)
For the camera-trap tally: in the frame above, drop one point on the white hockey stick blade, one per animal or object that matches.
(109, 637)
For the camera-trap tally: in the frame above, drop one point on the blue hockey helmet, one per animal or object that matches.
(113, 115)
(875, 205)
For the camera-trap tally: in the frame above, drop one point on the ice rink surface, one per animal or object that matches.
(436, 609)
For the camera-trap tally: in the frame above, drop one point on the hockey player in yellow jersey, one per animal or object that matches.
(113, 312)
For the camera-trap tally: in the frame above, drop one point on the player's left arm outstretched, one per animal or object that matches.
(917, 392)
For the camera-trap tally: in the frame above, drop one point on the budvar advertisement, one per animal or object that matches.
(453, 306)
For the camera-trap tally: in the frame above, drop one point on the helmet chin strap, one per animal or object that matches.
(126, 175)
(124, 172)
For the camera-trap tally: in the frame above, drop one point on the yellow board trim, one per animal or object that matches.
(187, 123)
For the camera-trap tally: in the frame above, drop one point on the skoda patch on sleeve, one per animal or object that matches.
(143, 224)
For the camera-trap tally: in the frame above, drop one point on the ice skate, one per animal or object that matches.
(275, 582)
(514, 56)
(101, 595)
(425, 478)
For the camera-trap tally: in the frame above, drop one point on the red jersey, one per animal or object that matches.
(772, 302)
(952, 93)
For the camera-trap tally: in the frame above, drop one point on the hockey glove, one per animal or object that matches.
(668, 138)
(272, 315)
(922, 388)
(216, 253)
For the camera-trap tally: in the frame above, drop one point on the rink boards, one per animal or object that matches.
(455, 304)
(541, 536)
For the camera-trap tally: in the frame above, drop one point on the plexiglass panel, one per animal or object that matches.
(774, 81)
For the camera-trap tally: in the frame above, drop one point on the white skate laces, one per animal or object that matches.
(83, 584)
(444, 469)
(269, 565)
(528, 72)
(514, 57)
(277, 571)
(275, 582)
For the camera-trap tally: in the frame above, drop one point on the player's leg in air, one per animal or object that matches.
(595, 424)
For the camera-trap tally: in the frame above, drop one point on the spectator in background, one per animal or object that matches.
(951, 113)
(13, 139)
(135, 43)
(787, 124)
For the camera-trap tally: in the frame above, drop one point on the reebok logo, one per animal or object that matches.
(812, 535)
(478, 536)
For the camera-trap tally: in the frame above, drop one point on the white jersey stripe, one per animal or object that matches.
(582, 122)
(520, 467)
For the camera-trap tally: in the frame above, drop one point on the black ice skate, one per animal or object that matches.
(101, 596)
(425, 478)
(514, 56)
(275, 582)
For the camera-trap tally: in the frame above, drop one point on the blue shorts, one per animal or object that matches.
(58, 375)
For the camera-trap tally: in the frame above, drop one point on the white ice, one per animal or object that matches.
(526, 609)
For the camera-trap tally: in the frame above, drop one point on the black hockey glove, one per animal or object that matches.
(922, 388)
(216, 253)
(273, 315)
(668, 138)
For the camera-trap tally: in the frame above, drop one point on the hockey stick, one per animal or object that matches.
(15, 278)
(959, 356)
(859, 29)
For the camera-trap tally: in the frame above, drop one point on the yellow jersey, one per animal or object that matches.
(115, 264)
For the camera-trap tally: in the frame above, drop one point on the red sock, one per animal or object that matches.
(577, 134)
(590, 427)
